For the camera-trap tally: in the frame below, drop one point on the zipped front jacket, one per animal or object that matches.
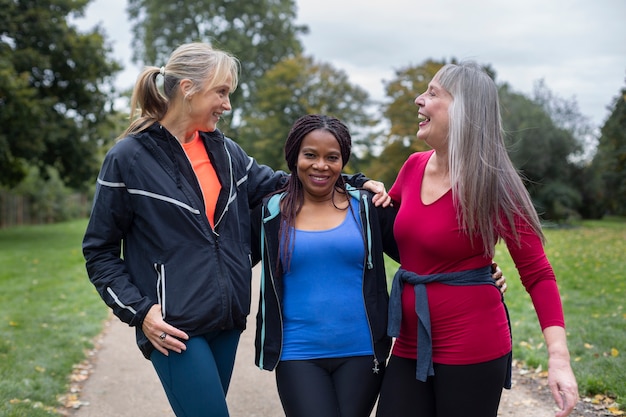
(149, 208)
(377, 231)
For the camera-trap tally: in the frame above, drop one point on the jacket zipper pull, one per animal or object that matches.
(376, 369)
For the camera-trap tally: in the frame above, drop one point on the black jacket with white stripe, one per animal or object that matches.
(149, 241)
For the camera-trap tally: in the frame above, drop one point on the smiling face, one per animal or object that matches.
(319, 164)
(434, 117)
(207, 106)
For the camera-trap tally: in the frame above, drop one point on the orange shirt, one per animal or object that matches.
(207, 177)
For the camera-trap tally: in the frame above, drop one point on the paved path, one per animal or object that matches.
(124, 384)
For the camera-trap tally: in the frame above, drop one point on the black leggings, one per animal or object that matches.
(335, 387)
(454, 390)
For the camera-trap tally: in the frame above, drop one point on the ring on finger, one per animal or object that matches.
(163, 336)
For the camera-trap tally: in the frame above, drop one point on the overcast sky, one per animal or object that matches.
(577, 47)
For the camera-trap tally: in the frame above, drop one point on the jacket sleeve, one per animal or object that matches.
(386, 219)
(110, 221)
(262, 180)
(356, 180)
(255, 230)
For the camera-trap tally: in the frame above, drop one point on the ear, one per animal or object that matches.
(185, 87)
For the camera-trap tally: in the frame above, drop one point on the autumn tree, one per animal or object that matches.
(53, 90)
(260, 33)
(611, 156)
(400, 112)
(295, 87)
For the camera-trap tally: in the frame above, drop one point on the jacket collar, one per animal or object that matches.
(273, 202)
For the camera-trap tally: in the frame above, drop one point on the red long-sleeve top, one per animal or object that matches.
(469, 323)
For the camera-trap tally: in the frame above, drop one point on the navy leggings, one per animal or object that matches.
(333, 387)
(196, 380)
(455, 390)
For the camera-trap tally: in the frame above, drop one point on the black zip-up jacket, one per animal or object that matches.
(377, 231)
(149, 205)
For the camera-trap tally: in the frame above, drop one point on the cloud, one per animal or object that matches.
(577, 47)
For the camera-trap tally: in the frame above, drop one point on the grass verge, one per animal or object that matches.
(49, 315)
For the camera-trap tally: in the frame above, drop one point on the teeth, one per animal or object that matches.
(420, 116)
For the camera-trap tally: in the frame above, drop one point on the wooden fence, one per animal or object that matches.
(16, 210)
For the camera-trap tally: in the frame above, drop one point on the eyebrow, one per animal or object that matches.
(434, 87)
(314, 149)
(221, 86)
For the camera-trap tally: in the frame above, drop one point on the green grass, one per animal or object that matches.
(590, 263)
(49, 315)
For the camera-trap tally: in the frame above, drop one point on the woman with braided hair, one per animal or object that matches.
(322, 321)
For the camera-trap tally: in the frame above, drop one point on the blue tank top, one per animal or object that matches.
(323, 308)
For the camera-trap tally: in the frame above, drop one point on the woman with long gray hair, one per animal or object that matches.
(452, 354)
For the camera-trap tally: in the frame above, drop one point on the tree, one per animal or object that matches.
(566, 115)
(295, 87)
(53, 90)
(588, 180)
(611, 156)
(543, 152)
(400, 111)
(260, 33)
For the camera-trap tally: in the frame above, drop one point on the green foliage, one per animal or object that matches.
(565, 115)
(385, 167)
(558, 201)
(295, 87)
(587, 178)
(543, 153)
(260, 33)
(53, 92)
(49, 315)
(611, 156)
(41, 200)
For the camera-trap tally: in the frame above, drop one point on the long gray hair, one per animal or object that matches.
(486, 187)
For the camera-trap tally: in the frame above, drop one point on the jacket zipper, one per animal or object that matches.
(367, 264)
(264, 296)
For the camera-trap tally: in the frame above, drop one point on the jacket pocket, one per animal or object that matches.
(160, 287)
